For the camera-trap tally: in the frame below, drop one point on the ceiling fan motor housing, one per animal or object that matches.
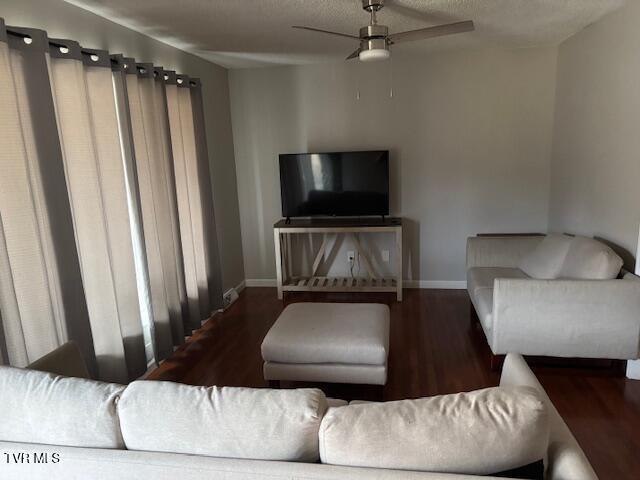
(374, 31)
(374, 37)
(374, 44)
(374, 5)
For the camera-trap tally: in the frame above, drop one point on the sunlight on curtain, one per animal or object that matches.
(26, 291)
(133, 203)
(212, 253)
(41, 296)
(89, 134)
(105, 203)
(194, 209)
(165, 158)
(157, 201)
(185, 167)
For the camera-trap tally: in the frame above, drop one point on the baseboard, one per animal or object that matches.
(260, 282)
(241, 286)
(436, 284)
(424, 284)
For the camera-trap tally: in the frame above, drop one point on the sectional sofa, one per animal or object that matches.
(62, 428)
(554, 295)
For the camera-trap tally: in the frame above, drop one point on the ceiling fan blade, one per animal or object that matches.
(326, 31)
(355, 54)
(432, 32)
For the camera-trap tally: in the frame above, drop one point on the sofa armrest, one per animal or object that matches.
(505, 251)
(566, 318)
(565, 460)
(65, 360)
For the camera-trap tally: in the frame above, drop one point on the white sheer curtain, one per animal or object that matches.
(158, 204)
(191, 232)
(105, 203)
(85, 106)
(41, 294)
(212, 257)
(119, 65)
(195, 207)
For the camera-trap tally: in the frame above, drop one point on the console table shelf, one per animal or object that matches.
(287, 282)
(340, 284)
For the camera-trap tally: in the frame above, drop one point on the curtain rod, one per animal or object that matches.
(192, 82)
(19, 34)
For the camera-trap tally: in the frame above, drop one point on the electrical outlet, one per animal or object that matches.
(385, 255)
(226, 300)
(351, 256)
(229, 297)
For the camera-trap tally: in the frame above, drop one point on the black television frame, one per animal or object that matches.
(334, 215)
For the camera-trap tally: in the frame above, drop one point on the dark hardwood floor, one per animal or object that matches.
(435, 349)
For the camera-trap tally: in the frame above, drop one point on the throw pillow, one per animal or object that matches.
(589, 259)
(546, 260)
(476, 433)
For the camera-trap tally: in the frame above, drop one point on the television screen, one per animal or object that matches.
(340, 184)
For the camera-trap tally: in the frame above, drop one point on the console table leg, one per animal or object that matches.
(399, 263)
(278, 247)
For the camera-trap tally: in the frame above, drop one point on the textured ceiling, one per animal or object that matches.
(245, 33)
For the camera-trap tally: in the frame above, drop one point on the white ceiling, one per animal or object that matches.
(246, 33)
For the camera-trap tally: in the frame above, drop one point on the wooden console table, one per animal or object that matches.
(287, 282)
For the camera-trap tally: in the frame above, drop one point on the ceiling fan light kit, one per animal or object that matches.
(373, 49)
(375, 39)
(373, 55)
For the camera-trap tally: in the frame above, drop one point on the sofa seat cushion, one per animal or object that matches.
(251, 423)
(546, 260)
(39, 407)
(483, 277)
(481, 432)
(589, 259)
(349, 333)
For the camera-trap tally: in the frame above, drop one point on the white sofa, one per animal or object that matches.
(581, 308)
(85, 429)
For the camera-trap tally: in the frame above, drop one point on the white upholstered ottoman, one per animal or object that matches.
(328, 342)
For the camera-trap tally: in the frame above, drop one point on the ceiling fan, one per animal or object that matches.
(375, 39)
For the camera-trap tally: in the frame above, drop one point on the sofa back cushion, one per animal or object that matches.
(589, 259)
(546, 260)
(481, 432)
(252, 423)
(39, 407)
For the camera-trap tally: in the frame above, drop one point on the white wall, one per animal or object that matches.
(469, 134)
(596, 148)
(63, 20)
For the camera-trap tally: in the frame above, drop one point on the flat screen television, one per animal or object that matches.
(335, 184)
